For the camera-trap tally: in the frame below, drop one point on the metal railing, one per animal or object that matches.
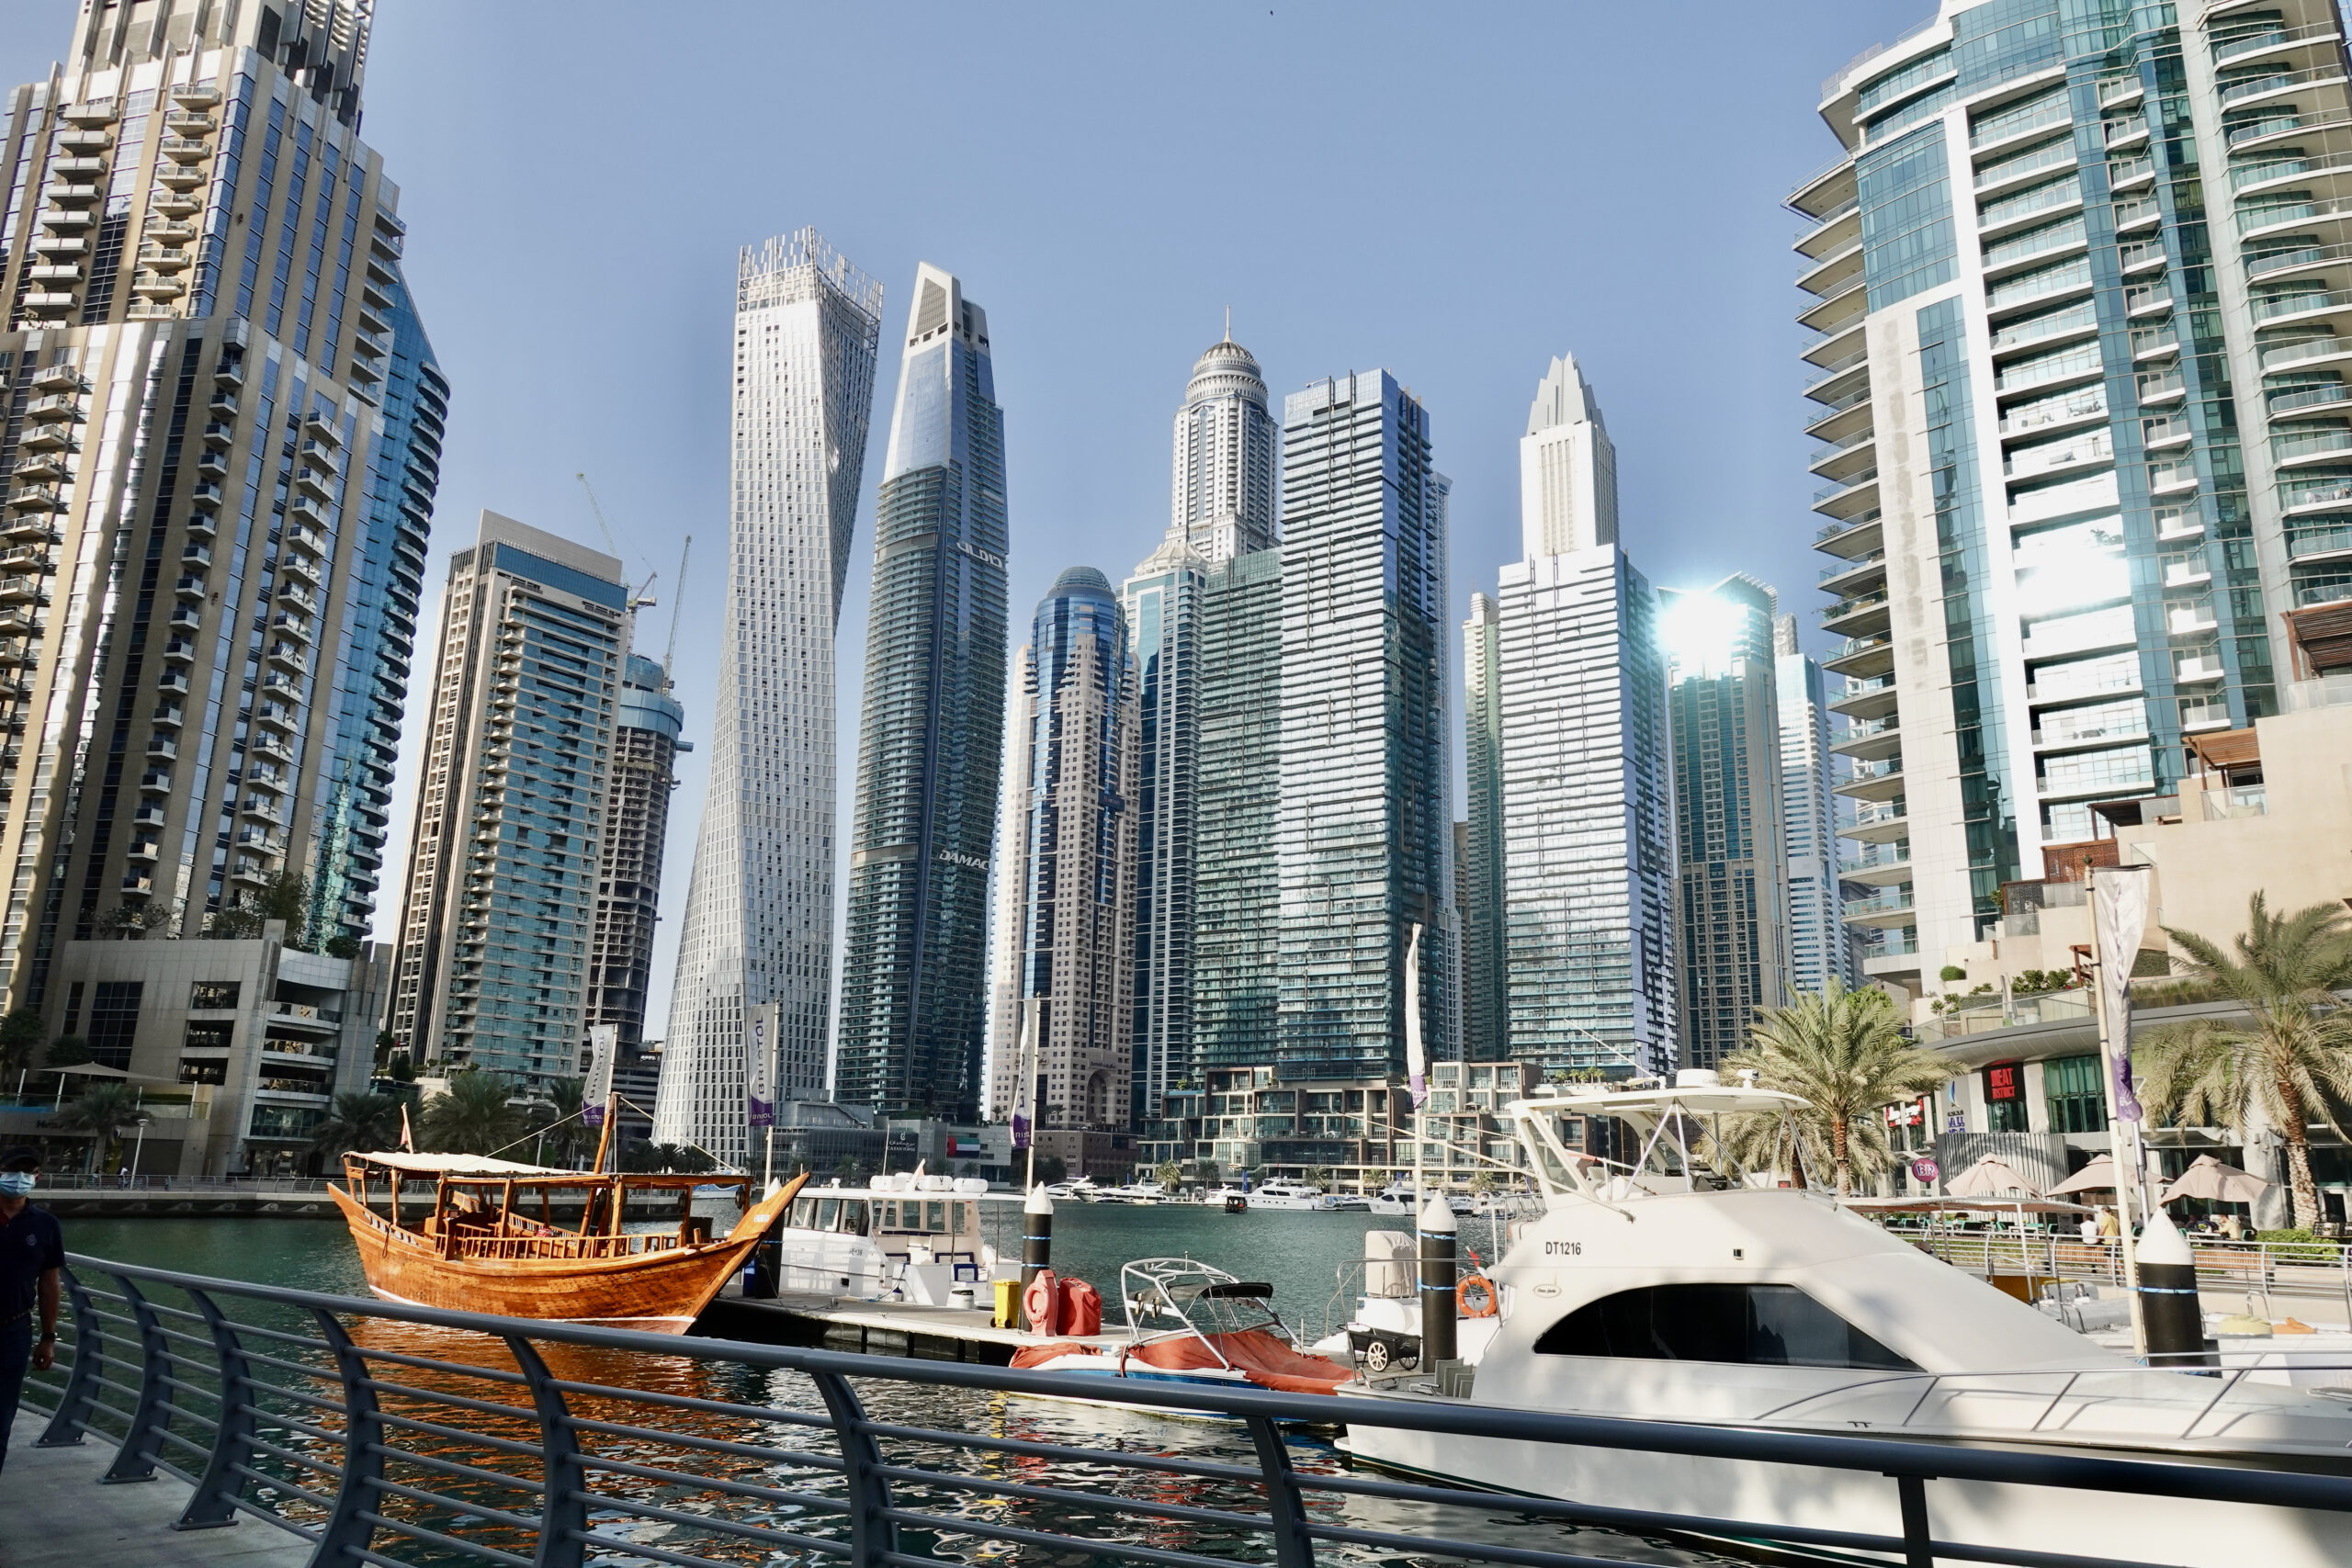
(369, 1429)
(2265, 1268)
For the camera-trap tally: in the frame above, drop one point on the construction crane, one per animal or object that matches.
(638, 598)
(678, 603)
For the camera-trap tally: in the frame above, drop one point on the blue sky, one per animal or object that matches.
(1456, 193)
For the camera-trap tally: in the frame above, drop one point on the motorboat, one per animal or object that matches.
(1667, 1289)
(906, 1237)
(1146, 1192)
(1395, 1200)
(1189, 1323)
(1288, 1195)
(1082, 1191)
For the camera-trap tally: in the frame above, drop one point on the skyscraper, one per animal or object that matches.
(1066, 884)
(1820, 949)
(2076, 276)
(914, 979)
(1486, 1000)
(499, 905)
(646, 728)
(759, 922)
(1236, 945)
(1724, 724)
(1222, 507)
(220, 428)
(1587, 867)
(1366, 831)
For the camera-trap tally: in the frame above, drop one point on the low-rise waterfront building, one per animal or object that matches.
(236, 1048)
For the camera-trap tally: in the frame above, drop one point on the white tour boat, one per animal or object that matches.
(1661, 1292)
(905, 1237)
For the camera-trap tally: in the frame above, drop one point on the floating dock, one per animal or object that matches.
(880, 1328)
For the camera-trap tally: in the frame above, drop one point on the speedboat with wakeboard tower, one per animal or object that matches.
(1668, 1289)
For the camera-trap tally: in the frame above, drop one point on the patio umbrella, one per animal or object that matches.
(2210, 1179)
(1990, 1177)
(2097, 1176)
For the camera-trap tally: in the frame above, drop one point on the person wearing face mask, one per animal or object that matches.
(32, 1250)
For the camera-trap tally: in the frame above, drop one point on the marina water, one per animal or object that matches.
(1301, 1255)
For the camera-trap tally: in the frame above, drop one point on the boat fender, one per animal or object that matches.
(1474, 1296)
(1082, 1306)
(1043, 1301)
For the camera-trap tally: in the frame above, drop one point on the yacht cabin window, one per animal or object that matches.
(1757, 1325)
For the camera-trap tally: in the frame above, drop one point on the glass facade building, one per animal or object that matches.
(647, 737)
(500, 903)
(1222, 507)
(1365, 841)
(1725, 727)
(220, 424)
(1066, 876)
(2088, 258)
(915, 971)
(1478, 874)
(1821, 949)
(758, 931)
(1235, 949)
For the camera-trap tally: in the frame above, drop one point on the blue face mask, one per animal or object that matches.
(16, 1183)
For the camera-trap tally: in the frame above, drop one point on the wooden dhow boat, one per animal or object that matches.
(474, 1245)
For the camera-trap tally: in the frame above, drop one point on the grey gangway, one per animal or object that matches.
(401, 1436)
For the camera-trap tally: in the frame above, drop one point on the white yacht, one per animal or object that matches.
(1658, 1291)
(904, 1237)
(1280, 1194)
(1146, 1192)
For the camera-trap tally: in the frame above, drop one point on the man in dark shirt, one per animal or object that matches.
(32, 1250)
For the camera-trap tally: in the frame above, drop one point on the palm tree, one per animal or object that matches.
(1169, 1174)
(2289, 1063)
(473, 1117)
(565, 1139)
(103, 1112)
(1842, 1051)
(358, 1120)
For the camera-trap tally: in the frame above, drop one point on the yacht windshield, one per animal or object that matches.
(1761, 1325)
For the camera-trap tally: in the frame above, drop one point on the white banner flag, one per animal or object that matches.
(1024, 1085)
(2118, 915)
(1417, 1067)
(603, 1044)
(758, 1067)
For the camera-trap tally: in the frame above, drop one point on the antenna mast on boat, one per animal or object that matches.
(1416, 1066)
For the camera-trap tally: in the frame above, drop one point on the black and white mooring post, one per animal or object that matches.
(1037, 1243)
(2169, 1303)
(1438, 1267)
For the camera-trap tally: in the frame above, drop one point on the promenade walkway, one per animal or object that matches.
(53, 1514)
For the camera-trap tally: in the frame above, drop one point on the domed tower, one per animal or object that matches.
(1227, 456)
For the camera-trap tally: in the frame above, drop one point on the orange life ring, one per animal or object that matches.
(1487, 1305)
(1043, 1301)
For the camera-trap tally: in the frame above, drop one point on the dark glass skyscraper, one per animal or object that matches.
(930, 743)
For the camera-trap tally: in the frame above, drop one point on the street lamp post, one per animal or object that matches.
(138, 1145)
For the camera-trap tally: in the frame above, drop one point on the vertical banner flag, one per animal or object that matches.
(759, 1068)
(2119, 915)
(604, 1042)
(1024, 1078)
(1417, 1067)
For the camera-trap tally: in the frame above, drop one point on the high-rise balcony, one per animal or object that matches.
(67, 220)
(1892, 907)
(1871, 739)
(166, 201)
(2246, 48)
(1882, 780)
(1858, 616)
(60, 193)
(195, 95)
(177, 176)
(53, 277)
(164, 258)
(82, 170)
(1865, 700)
(155, 781)
(186, 149)
(50, 305)
(1878, 865)
(189, 123)
(83, 140)
(206, 494)
(170, 233)
(1846, 455)
(190, 588)
(61, 250)
(201, 524)
(1855, 576)
(155, 285)
(1862, 656)
(1849, 495)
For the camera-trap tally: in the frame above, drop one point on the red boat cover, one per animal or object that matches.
(1258, 1356)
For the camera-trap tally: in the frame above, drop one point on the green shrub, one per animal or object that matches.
(2286, 1248)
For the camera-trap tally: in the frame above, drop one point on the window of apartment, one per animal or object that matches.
(2077, 1093)
(212, 996)
(2005, 1108)
(72, 1009)
(204, 1069)
(113, 1023)
(209, 1036)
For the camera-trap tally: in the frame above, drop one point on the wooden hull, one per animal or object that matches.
(659, 1292)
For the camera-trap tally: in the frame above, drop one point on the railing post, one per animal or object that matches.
(872, 1533)
(1294, 1546)
(214, 1503)
(563, 1515)
(345, 1534)
(1919, 1550)
(81, 1392)
(135, 1460)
